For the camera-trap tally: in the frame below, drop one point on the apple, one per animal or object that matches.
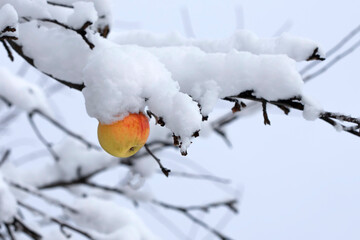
(125, 137)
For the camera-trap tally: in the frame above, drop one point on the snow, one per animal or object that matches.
(8, 205)
(83, 12)
(8, 17)
(107, 220)
(124, 79)
(171, 81)
(68, 55)
(210, 76)
(74, 158)
(146, 167)
(299, 49)
(22, 94)
(102, 7)
(312, 110)
(29, 8)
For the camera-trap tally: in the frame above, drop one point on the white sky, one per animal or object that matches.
(301, 179)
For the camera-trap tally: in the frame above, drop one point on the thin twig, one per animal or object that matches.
(5, 157)
(10, 55)
(231, 204)
(165, 170)
(199, 176)
(106, 188)
(7, 102)
(186, 212)
(41, 137)
(59, 4)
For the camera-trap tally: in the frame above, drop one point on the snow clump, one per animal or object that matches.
(108, 221)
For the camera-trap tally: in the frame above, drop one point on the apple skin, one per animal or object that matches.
(125, 137)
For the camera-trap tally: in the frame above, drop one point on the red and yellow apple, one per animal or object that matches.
(125, 137)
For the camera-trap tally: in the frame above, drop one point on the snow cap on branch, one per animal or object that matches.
(8, 17)
(22, 94)
(297, 48)
(29, 8)
(83, 12)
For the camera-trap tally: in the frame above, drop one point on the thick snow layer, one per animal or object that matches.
(208, 77)
(29, 8)
(68, 50)
(83, 12)
(22, 94)
(299, 49)
(108, 221)
(8, 17)
(8, 205)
